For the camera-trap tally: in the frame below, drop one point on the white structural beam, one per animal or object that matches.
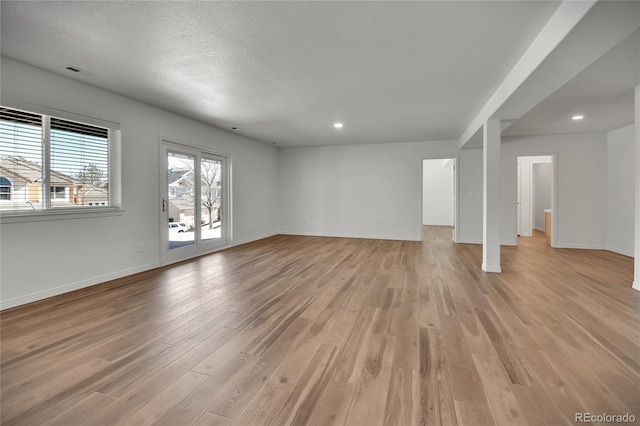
(566, 17)
(636, 275)
(491, 197)
(603, 27)
(577, 34)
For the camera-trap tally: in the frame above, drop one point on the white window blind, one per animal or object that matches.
(21, 159)
(80, 152)
(54, 163)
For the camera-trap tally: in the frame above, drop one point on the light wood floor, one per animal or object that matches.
(308, 330)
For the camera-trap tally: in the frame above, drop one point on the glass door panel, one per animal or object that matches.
(211, 179)
(181, 199)
(194, 186)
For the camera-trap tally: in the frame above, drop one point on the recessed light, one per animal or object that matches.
(577, 117)
(338, 125)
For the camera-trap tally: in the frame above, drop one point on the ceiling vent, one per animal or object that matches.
(78, 70)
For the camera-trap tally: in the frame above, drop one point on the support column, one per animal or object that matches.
(491, 197)
(636, 274)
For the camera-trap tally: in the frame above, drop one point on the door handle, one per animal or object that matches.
(164, 205)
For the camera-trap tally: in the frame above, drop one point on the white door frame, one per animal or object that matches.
(518, 201)
(554, 196)
(200, 246)
(455, 189)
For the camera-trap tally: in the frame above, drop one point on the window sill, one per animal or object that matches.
(62, 214)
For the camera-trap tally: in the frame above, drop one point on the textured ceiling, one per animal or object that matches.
(285, 71)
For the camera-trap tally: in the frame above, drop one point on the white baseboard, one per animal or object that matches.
(472, 241)
(491, 268)
(363, 236)
(252, 239)
(636, 285)
(468, 241)
(580, 246)
(595, 247)
(34, 297)
(621, 251)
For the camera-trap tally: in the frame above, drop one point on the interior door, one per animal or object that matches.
(193, 193)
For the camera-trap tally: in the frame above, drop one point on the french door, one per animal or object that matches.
(194, 192)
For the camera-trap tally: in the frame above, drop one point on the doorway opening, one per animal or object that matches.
(535, 196)
(439, 194)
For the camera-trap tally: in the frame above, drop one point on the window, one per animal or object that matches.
(49, 163)
(58, 192)
(5, 188)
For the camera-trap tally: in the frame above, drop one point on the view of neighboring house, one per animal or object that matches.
(21, 187)
(181, 197)
(90, 195)
(180, 182)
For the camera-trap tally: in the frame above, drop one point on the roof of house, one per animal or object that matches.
(29, 171)
(174, 175)
(183, 204)
(93, 191)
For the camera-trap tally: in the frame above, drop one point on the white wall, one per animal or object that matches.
(40, 259)
(469, 166)
(437, 192)
(542, 174)
(621, 190)
(365, 191)
(581, 175)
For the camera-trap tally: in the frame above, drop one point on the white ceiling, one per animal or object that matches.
(284, 72)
